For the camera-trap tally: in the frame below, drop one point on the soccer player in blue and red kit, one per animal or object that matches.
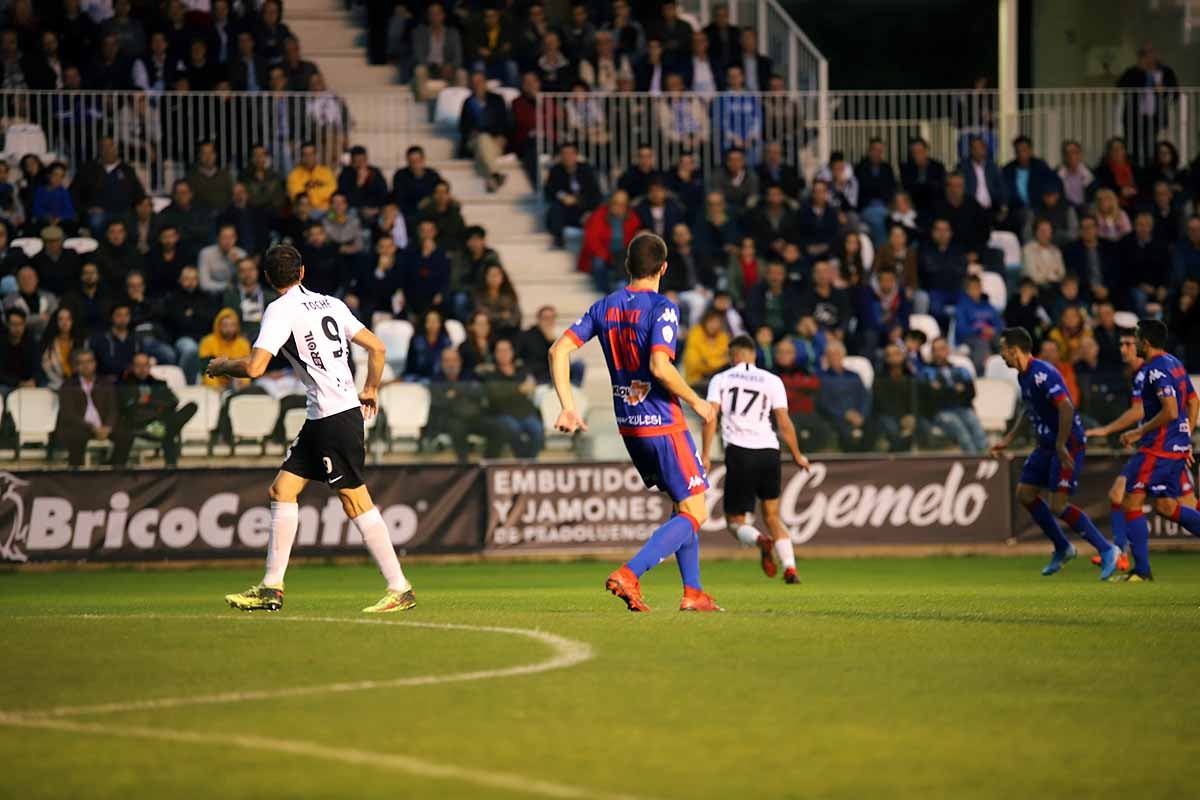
(638, 329)
(1164, 440)
(1055, 463)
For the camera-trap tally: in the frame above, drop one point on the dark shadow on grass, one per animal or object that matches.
(932, 616)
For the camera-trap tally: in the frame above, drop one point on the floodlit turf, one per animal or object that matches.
(904, 678)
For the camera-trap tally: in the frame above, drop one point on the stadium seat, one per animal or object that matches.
(926, 325)
(449, 106)
(996, 290)
(196, 436)
(360, 377)
(1008, 243)
(293, 420)
(24, 138)
(81, 244)
(406, 409)
(995, 402)
(862, 367)
(396, 334)
(35, 414)
(456, 332)
(959, 360)
(252, 419)
(29, 245)
(1126, 319)
(171, 375)
(550, 408)
(996, 369)
(509, 93)
(868, 251)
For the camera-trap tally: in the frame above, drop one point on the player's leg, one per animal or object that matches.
(1060, 503)
(285, 519)
(1171, 475)
(1035, 474)
(1116, 495)
(781, 540)
(1138, 531)
(357, 504)
(695, 510)
(741, 485)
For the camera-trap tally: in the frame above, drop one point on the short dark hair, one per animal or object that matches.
(1153, 332)
(16, 311)
(475, 230)
(743, 342)
(918, 335)
(1022, 139)
(645, 256)
(416, 148)
(1018, 338)
(282, 265)
(358, 150)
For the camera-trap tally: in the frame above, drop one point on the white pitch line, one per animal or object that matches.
(566, 653)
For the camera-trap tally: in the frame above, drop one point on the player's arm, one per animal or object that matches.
(251, 366)
(1066, 420)
(569, 420)
(1193, 411)
(376, 358)
(1007, 439)
(1165, 416)
(665, 373)
(1129, 417)
(787, 432)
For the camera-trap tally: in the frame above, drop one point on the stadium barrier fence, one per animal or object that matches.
(517, 508)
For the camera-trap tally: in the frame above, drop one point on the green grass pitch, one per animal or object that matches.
(932, 678)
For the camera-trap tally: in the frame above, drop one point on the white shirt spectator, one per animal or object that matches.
(217, 267)
(982, 196)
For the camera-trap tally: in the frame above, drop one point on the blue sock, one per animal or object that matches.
(1044, 517)
(1082, 524)
(1188, 518)
(1139, 540)
(688, 559)
(670, 536)
(1118, 527)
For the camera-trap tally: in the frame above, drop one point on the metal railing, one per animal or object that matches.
(158, 133)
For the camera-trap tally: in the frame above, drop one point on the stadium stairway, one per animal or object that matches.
(333, 38)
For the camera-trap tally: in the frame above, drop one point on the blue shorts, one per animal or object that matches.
(1044, 468)
(1156, 476)
(668, 462)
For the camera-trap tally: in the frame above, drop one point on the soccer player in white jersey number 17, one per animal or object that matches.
(314, 332)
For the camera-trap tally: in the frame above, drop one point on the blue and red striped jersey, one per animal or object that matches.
(1043, 390)
(1160, 377)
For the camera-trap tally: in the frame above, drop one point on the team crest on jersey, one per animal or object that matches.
(1156, 375)
(669, 315)
(1039, 379)
(634, 393)
(695, 481)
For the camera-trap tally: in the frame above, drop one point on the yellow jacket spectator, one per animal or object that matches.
(225, 341)
(309, 177)
(706, 351)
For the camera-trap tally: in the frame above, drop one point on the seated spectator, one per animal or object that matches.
(312, 179)
(1103, 389)
(270, 32)
(52, 200)
(658, 212)
(718, 236)
(702, 74)
(1184, 321)
(978, 323)
(298, 70)
(12, 208)
(476, 351)
(941, 267)
(1112, 219)
(1025, 310)
(109, 71)
(1025, 180)
(484, 128)
(460, 401)
(686, 183)
(424, 359)
(148, 409)
(36, 303)
(413, 183)
(773, 170)
(898, 254)
(1068, 295)
(1051, 206)
(211, 185)
(467, 272)
(894, 401)
(706, 351)
(876, 187)
(585, 118)
(202, 73)
(606, 234)
(165, 260)
(188, 320)
(391, 225)
(225, 341)
(844, 401)
(841, 182)
(249, 297)
(1095, 261)
(142, 227)
(736, 182)
(252, 224)
(948, 393)
(924, 179)
(914, 342)
(1107, 336)
(572, 191)
(851, 269)
(509, 389)
(810, 342)
(743, 271)
(263, 183)
(344, 229)
(325, 271)
(689, 276)
(802, 387)
(1070, 332)
(193, 223)
(87, 408)
(379, 287)
(1075, 176)
(426, 272)
(1168, 215)
(1052, 355)
(218, 262)
(106, 187)
(1041, 261)
(883, 308)
(61, 341)
(650, 71)
(772, 223)
(115, 347)
(1117, 174)
(496, 296)
(116, 255)
(901, 212)
(445, 213)
(533, 347)
(1187, 253)
(528, 120)
(985, 182)
(89, 299)
(602, 71)
(817, 223)
(248, 71)
(437, 54)
(1146, 264)
(490, 48)
(682, 117)
(635, 180)
(19, 360)
(773, 303)
(363, 185)
(555, 70)
(969, 222)
(1166, 168)
(674, 33)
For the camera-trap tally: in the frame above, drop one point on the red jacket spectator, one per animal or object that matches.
(597, 236)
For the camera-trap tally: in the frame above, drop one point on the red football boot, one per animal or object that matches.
(624, 584)
(696, 600)
(790, 576)
(1122, 562)
(768, 555)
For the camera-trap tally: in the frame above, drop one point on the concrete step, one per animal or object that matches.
(345, 72)
(295, 8)
(499, 220)
(320, 36)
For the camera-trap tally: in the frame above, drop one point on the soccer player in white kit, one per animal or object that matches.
(748, 398)
(314, 332)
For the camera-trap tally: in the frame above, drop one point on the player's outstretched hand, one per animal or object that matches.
(569, 422)
(803, 463)
(706, 462)
(216, 367)
(705, 410)
(1129, 438)
(366, 399)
